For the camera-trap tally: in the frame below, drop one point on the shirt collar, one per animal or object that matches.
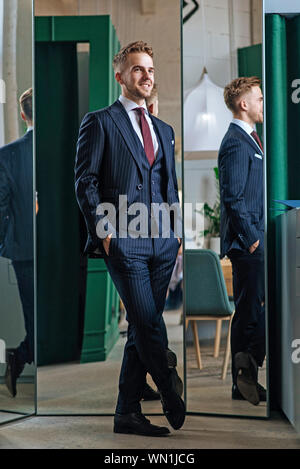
(29, 128)
(244, 125)
(130, 105)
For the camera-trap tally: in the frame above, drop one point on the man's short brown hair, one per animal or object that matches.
(236, 88)
(137, 46)
(26, 104)
(153, 96)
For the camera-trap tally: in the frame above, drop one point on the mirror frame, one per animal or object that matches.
(267, 359)
(21, 416)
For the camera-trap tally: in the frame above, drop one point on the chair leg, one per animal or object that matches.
(197, 345)
(227, 350)
(218, 337)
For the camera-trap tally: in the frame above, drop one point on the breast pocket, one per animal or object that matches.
(257, 164)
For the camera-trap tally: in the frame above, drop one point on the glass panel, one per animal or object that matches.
(82, 324)
(282, 72)
(219, 44)
(17, 212)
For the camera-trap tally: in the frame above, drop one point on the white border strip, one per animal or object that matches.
(280, 6)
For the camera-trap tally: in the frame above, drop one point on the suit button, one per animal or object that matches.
(140, 187)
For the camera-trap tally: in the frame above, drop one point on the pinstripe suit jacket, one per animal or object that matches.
(16, 199)
(108, 164)
(240, 164)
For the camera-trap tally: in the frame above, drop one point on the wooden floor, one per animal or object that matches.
(207, 392)
(92, 389)
(197, 433)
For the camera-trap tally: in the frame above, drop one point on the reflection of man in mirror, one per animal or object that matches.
(122, 149)
(242, 233)
(16, 233)
(152, 101)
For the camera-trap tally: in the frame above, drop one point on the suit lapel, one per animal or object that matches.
(163, 139)
(122, 121)
(237, 128)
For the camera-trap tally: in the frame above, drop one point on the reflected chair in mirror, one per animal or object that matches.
(206, 299)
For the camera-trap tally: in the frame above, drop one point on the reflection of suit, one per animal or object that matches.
(242, 224)
(16, 226)
(241, 185)
(16, 199)
(110, 162)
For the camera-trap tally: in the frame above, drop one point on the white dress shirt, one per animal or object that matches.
(134, 118)
(247, 128)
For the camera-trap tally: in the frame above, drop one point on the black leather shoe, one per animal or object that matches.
(246, 380)
(13, 371)
(172, 363)
(172, 359)
(172, 404)
(149, 394)
(237, 396)
(136, 424)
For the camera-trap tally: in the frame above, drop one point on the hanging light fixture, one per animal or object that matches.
(206, 117)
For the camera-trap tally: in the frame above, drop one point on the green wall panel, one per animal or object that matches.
(102, 301)
(57, 220)
(101, 324)
(250, 64)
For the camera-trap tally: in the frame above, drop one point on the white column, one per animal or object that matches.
(9, 70)
(2, 82)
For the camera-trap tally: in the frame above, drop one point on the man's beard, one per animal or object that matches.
(137, 93)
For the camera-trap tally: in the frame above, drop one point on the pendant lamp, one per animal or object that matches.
(206, 117)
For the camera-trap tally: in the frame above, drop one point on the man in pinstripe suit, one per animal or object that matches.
(16, 233)
(125, 157)
(242, 232)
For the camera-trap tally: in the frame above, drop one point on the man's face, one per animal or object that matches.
(254, 105)
(137, 76)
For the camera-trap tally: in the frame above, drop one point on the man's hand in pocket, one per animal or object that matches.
(254, 246)
(106, 243)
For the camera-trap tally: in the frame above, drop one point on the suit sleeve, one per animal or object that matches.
(173, 167)
(4, 202)
(89, 157)
(234, 169)
(177, 218)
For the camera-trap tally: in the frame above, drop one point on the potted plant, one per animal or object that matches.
(212, 216)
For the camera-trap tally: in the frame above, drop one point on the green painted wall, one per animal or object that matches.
(58, 220)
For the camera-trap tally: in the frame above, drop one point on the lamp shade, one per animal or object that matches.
(206, 117)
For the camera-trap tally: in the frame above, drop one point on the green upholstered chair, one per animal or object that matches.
(206, 298)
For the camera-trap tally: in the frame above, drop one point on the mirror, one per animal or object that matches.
(17, 212)
(281, 29)
(82, 325)
(222, 41)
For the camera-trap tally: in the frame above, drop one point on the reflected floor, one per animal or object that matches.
(91, 388)
(23, 403)
(207, 392)
(7, 416)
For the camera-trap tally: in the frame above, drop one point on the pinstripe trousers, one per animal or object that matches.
(142, 282)
(248, 326)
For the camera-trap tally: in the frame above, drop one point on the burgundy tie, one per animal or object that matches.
(148, 143)
(257, 139)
